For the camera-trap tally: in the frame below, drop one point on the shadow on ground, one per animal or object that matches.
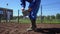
(48, 30)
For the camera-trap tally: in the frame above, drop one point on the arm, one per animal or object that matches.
(31, 5)
(29, 9)
(23, 5)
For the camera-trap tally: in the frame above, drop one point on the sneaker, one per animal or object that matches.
(29, 29)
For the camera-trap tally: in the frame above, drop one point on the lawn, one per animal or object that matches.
(53, 21)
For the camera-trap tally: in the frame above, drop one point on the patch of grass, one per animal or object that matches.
(27, 21)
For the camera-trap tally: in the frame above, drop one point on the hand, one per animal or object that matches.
(29, 9)
(23, 10)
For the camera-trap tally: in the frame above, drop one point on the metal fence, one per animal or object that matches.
(48, 14)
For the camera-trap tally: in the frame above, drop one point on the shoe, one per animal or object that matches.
(29, 29)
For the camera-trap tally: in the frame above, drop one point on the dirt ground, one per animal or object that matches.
(16, 28)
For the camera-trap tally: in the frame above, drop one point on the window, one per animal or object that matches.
(1, 12)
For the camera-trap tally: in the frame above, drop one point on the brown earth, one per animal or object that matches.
(16, 28)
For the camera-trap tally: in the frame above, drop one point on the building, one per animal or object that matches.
(6, 13)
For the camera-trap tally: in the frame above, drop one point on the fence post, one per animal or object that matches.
(18, 16)
(41, 13)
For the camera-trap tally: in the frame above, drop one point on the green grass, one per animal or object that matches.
(26, 21)
(54, 21)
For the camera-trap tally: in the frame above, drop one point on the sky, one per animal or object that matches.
(49, 7)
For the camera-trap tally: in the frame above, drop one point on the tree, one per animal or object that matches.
(14, 17)
(20, 16)
(48, 17)
(58, 16)
(52, 17)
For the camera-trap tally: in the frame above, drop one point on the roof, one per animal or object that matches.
(6, 9)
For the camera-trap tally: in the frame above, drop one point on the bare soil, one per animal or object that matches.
(16, 28)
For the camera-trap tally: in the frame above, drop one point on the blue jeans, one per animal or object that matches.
(34, 11)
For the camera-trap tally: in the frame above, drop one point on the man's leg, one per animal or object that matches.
(33, 23)
(32, 17)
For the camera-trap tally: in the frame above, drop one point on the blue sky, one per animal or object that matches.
(50, 7)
